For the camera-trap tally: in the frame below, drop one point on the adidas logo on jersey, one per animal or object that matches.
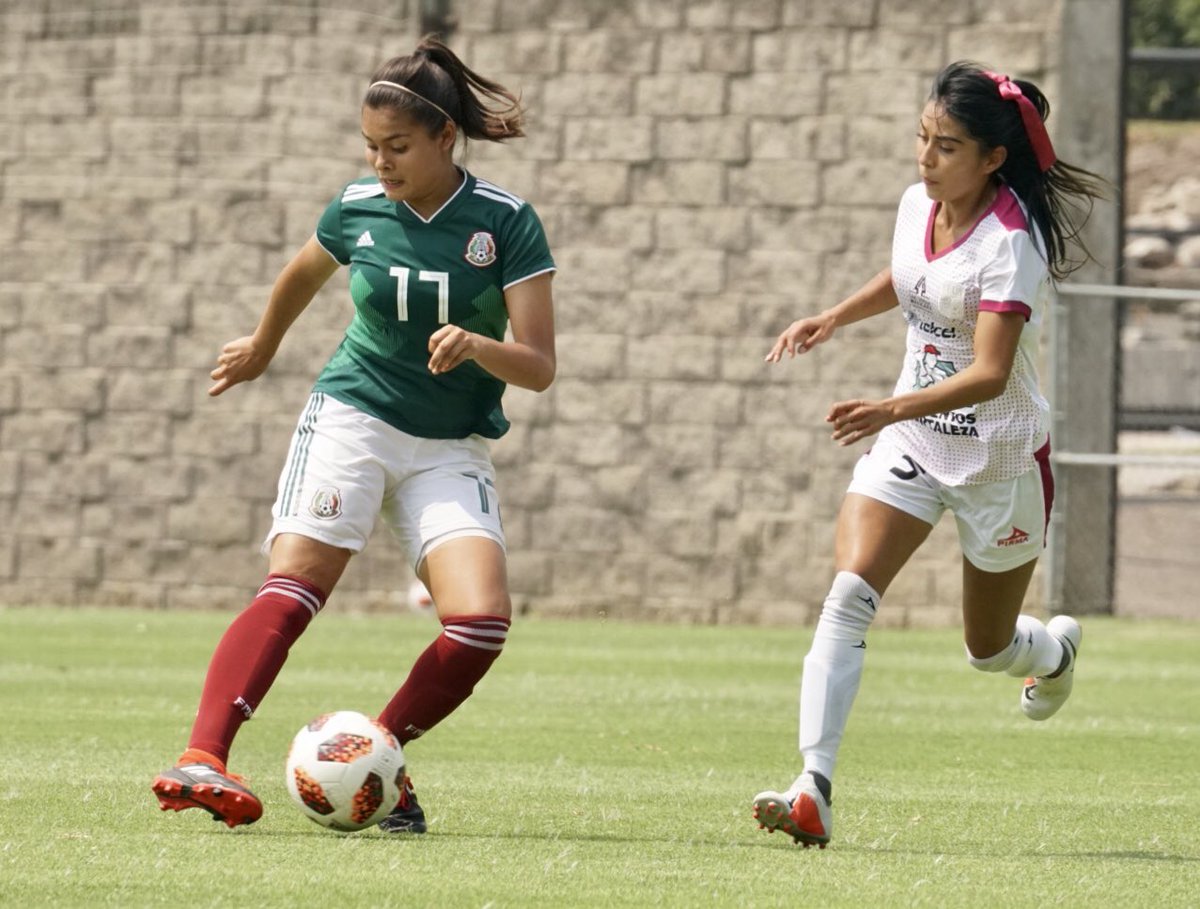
(365, 239)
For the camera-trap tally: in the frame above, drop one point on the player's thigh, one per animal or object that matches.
(1002, 528)
(874, 539)
(467, 575)
(991, 603)
(450, 494)
(1002, 525)
(888, 512)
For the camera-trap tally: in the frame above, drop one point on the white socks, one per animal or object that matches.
(1034, 651)
(833, 668)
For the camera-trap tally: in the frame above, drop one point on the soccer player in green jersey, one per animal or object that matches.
(441, 263)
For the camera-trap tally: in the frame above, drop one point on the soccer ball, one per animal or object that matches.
(345, 770)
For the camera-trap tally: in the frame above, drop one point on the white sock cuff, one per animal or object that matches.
(997, 662)
(1033, 651)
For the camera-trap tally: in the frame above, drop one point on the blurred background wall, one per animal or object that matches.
(707, 171)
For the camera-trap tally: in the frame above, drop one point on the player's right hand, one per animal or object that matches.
(801, 336)
(239, 361)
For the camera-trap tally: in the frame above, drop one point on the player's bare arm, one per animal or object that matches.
(420, 462)
(247, 358)
(528, 360)
(996, 338)
(992, 213)
(876, 296)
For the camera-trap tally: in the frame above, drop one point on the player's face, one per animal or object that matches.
(412, 165)
(953, 166)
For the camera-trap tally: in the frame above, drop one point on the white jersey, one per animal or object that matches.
(997, 266)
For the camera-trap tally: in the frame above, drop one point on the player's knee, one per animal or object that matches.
(309, 561)
(472, 598)
(493, 603)
(850, 606)
(481, 605)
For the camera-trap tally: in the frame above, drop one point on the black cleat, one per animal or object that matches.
(407, 816)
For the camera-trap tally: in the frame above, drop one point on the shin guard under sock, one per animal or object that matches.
(249, 657)
(445, 674)
(833, 669)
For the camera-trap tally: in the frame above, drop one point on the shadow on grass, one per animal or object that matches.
(765, 842)
(1128, 854)
(1119, 854)
(435, 835)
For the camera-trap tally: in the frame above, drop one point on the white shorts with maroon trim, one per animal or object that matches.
(1001, 525)
(345, 468)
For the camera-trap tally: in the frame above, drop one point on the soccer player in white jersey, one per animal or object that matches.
(440, 264)
(966, 429)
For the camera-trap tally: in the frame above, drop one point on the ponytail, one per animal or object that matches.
(998, 111)
(1060, 201)
(433, 85)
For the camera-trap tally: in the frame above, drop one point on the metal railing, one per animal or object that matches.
(1173, 56)
(1107, 294)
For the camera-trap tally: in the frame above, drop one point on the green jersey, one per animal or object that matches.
(408, 277)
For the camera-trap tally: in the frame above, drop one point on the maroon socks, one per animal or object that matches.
(445, 674)
(255, 647)
(249, 657)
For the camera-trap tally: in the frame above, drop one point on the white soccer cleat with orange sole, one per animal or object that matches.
(806, 817)
(1043, 696)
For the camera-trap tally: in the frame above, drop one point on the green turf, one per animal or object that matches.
(605, 764)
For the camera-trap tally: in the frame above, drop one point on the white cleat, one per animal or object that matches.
(1042, 696)
(806, 817)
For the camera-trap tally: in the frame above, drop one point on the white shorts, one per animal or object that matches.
(1001, 525)
(346, 467)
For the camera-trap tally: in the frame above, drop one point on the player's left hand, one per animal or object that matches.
(854, 420)
(449, 346)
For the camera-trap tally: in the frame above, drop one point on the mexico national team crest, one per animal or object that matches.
(326, 503)
(481, 249)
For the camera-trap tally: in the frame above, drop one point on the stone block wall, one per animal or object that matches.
(707, 171)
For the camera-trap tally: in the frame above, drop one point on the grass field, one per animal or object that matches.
(605, 764)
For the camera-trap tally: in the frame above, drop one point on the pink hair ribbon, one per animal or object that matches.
(1035, 128)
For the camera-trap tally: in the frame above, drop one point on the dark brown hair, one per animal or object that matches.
(1060, 199)
(481, 108)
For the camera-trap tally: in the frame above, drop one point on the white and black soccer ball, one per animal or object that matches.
(345, 771)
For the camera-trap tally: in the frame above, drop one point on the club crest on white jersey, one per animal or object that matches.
(929, 367)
